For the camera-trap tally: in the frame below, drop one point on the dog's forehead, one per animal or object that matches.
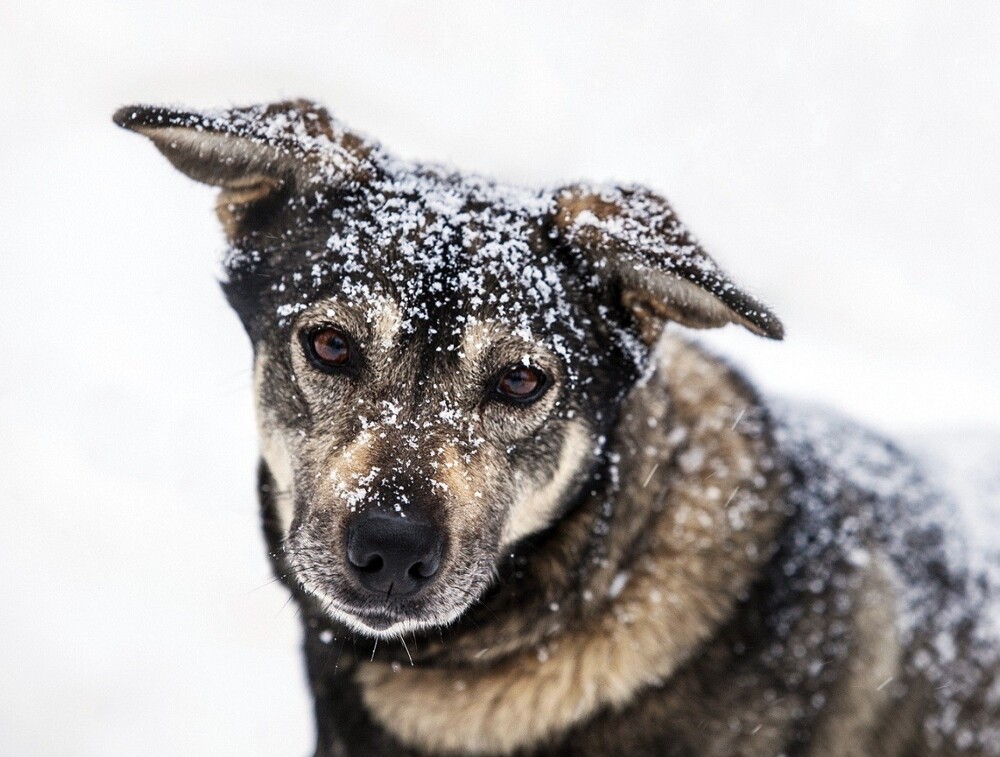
(444, 248)
(445, 243)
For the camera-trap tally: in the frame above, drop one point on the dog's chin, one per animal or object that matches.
(382, 624)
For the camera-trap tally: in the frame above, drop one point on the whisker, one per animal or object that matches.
(266, 583)
(343, 643)
(283, 606)
(407, 650)
(478, 602)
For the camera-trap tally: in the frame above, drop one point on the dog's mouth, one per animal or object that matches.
(386, 623)
(379, 622)
(385, 618)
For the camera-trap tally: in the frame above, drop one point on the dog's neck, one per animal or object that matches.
(673, 522)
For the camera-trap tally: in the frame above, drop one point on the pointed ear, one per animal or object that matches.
(632, 239)
(256, 153)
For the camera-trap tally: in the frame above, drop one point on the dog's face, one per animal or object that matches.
(438, 359)
(430, 382)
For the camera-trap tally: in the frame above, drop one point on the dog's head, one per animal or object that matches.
(438, 359)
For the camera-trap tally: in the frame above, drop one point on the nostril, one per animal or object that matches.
(421, 571)
(364, 557)
(374, 564)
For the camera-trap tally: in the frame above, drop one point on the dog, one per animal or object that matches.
(538, 518)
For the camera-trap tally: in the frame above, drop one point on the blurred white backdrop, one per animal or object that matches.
(842, 160)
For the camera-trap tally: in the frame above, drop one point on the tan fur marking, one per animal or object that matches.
(535, 509)
(475, 339)
(386, 320)
(525, 699)
(578, 202)
(344, 471)
(456, 475)
(648, 312)
(274, 451)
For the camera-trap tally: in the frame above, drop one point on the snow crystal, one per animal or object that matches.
(618, 584)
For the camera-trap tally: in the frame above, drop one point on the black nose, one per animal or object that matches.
(393, 555)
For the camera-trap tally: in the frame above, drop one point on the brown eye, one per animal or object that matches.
(521, 384)
(329, 348)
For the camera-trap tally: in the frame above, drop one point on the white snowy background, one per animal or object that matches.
(842, 160)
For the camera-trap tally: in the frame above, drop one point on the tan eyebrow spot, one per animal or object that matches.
(477, 338)
(385, 318)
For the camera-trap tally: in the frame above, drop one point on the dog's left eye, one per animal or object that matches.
(521, 384)
(329, 348)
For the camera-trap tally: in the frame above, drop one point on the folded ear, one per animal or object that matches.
(633, 240)
(254, 153)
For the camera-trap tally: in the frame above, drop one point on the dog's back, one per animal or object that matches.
(918, 644)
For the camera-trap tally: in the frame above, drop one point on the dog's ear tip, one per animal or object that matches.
(764, 323)
(775, 331)
(127, 116)
(139, 117)
(768, 326)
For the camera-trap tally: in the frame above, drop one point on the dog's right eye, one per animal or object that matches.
(328, 348)
(521, 385)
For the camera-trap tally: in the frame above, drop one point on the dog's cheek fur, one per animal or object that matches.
(543, 493)
(272, 433)
(285, 422)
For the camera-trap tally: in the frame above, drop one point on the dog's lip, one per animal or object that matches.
(383, 617)
(376, 621)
